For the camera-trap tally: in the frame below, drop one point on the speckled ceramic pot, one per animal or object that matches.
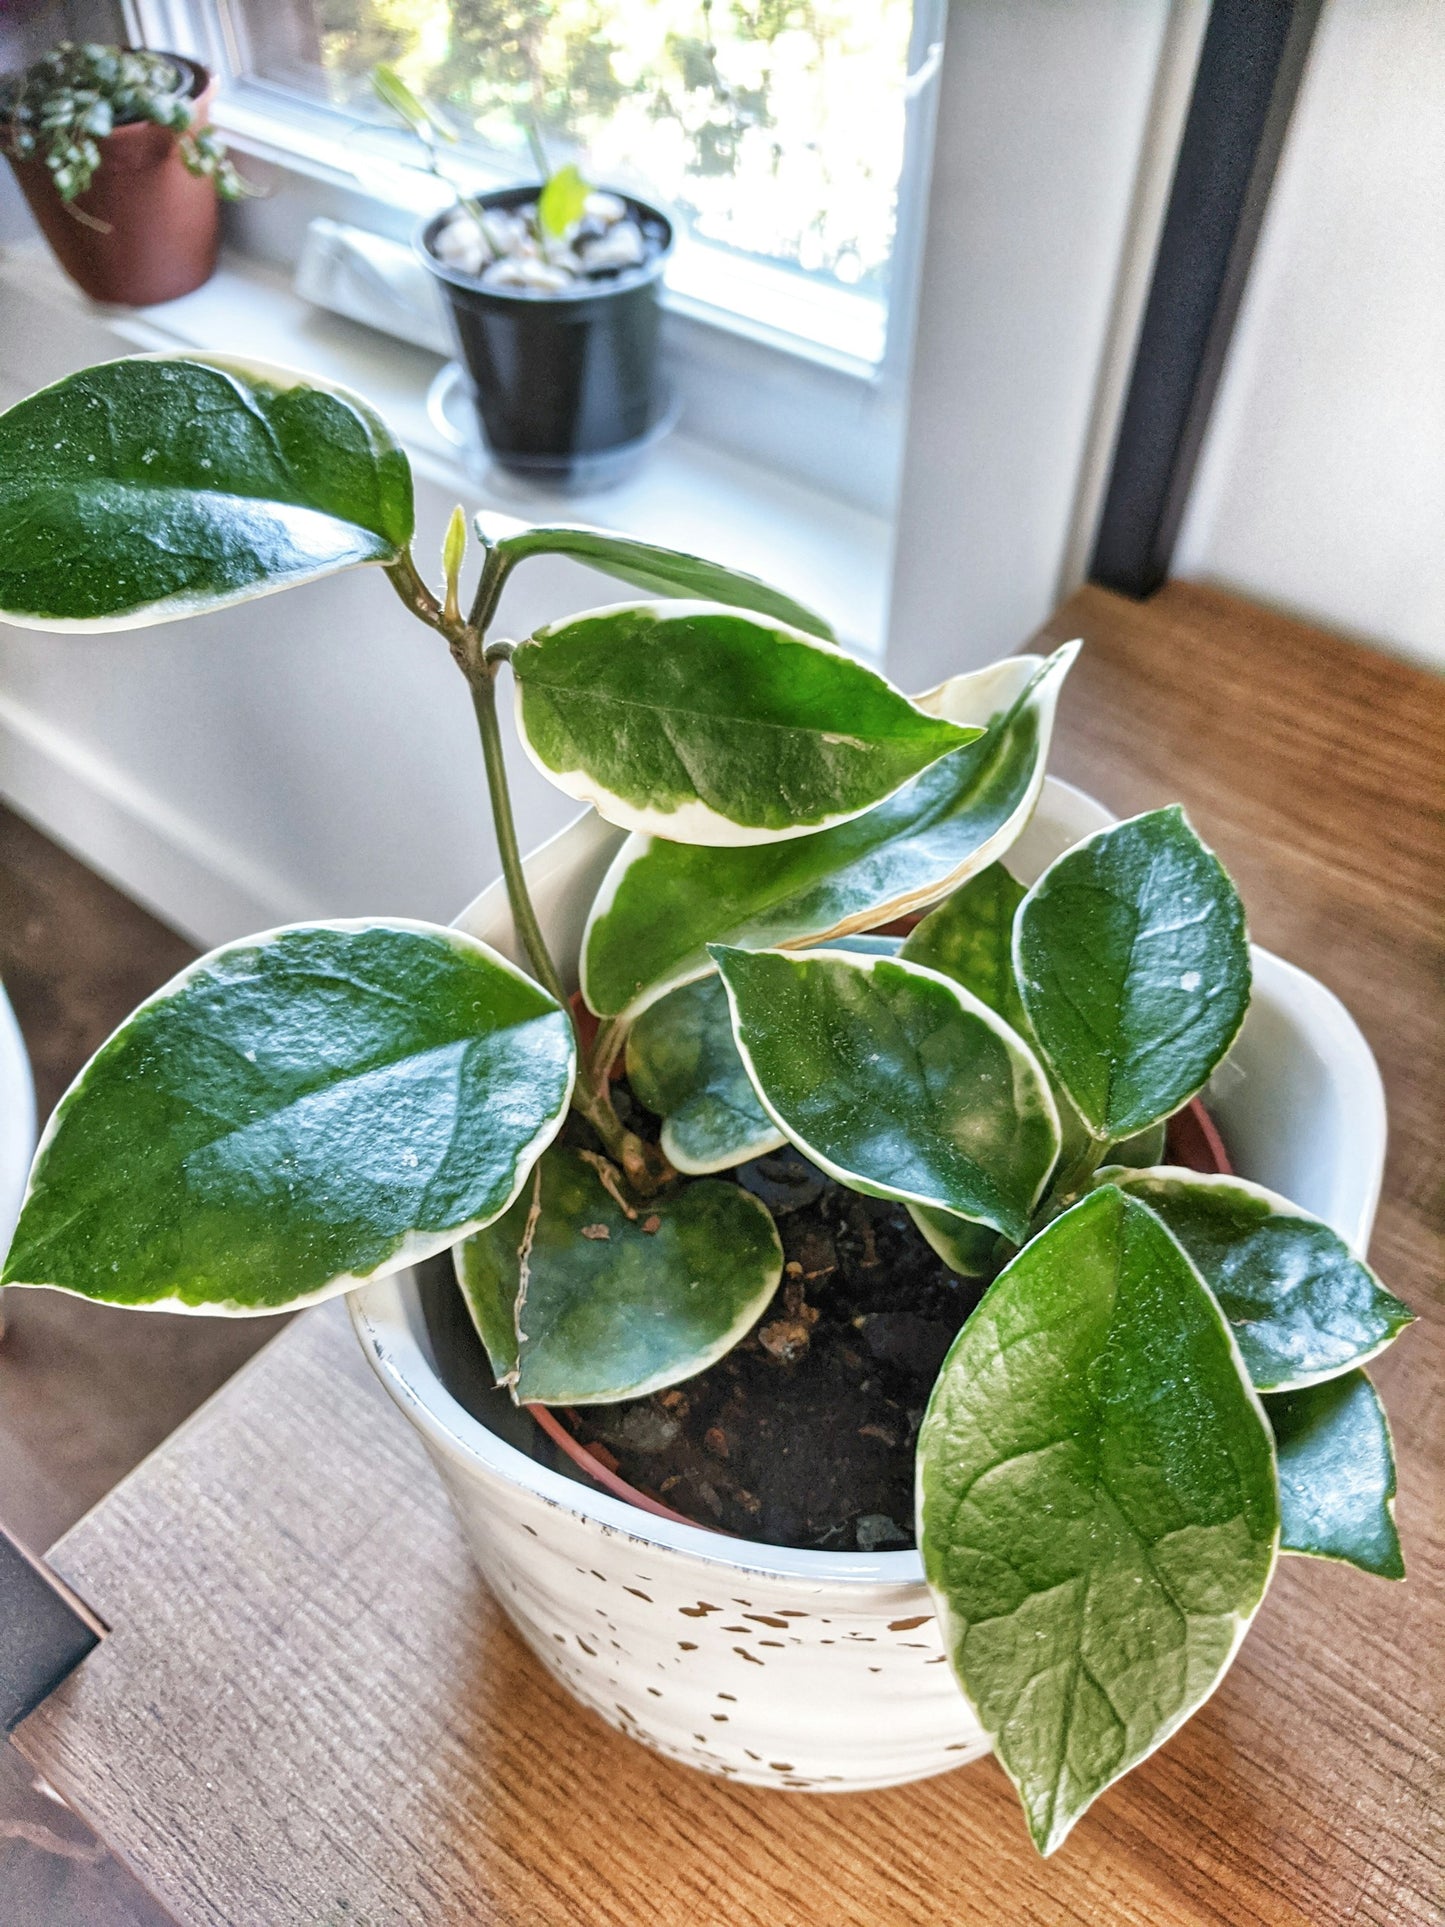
(815, 1670)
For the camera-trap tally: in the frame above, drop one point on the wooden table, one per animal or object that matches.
(310, 1712)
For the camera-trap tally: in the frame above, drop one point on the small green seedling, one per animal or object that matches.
(560, 205)
(65, 103)
(1162, 1386)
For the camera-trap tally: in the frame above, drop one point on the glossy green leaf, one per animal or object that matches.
(683, 1063)
(895, 1081)
(656, 571)
(661, 903)
(579, 1303)
(703, 725)
(562, 202)
(1133, 963)
(143, 490)
(1302, 1305)
(1337, 1474)
(292, 1114)
(1096, 1504)
(969, 937)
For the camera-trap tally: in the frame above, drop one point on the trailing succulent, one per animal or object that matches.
(66, 102)
(1162, 1386)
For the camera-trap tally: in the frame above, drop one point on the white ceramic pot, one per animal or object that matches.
(813, 1669)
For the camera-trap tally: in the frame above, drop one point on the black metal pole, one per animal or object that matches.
(1250, 65)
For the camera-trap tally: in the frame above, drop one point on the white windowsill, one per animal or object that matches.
(688, 494)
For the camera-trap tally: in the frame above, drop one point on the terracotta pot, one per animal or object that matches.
(161, 224)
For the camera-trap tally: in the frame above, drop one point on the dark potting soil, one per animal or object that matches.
(803, 1435)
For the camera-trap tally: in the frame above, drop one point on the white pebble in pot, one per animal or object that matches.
(603, 208)
(621, 247)
(528, 272)
(460, 245)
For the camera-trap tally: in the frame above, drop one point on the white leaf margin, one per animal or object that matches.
(695, 822)
(951, 1628)
(974, 698)
(1026, 984)
(1019, 1053)
(1135, 1180)
(177, 608)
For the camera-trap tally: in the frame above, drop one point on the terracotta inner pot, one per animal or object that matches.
(159, 224)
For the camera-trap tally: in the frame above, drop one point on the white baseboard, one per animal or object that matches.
(201, 887)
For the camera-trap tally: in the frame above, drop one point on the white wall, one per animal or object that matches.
(1045, 132)
(1321, 486)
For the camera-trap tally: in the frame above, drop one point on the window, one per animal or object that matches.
(776, 129)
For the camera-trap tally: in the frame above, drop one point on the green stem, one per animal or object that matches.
(593, 1099)
(1068, 1188)
(529, 931)
(641, 1162)
(466, 644)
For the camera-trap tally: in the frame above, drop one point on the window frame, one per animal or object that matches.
(766, 392)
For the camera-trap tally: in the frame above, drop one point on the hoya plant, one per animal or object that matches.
(1162, 1386)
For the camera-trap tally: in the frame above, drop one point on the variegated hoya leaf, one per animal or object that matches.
(293, 1114)
(1302, 1305)
(1097, 1509)
(582, 1300)
(895, 1081)
(972, 1250)
(704, 725)
(656, 571)
(969, 937)
(1133, 963)
(1337, 1475)
(662, 903)
(683, 1063)
(162, 486)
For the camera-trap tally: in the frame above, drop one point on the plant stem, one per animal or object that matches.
(1069, 1186)
(465, 642)
(591, 1096)
(641, 1162)
(529, 931)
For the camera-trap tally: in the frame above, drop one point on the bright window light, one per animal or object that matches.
(775, 130)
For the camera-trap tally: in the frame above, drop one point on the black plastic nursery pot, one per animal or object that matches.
(568, 387)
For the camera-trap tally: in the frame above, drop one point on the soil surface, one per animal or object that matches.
(803, 1435)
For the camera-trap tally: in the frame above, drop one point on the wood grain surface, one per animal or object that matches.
(310, 1714)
